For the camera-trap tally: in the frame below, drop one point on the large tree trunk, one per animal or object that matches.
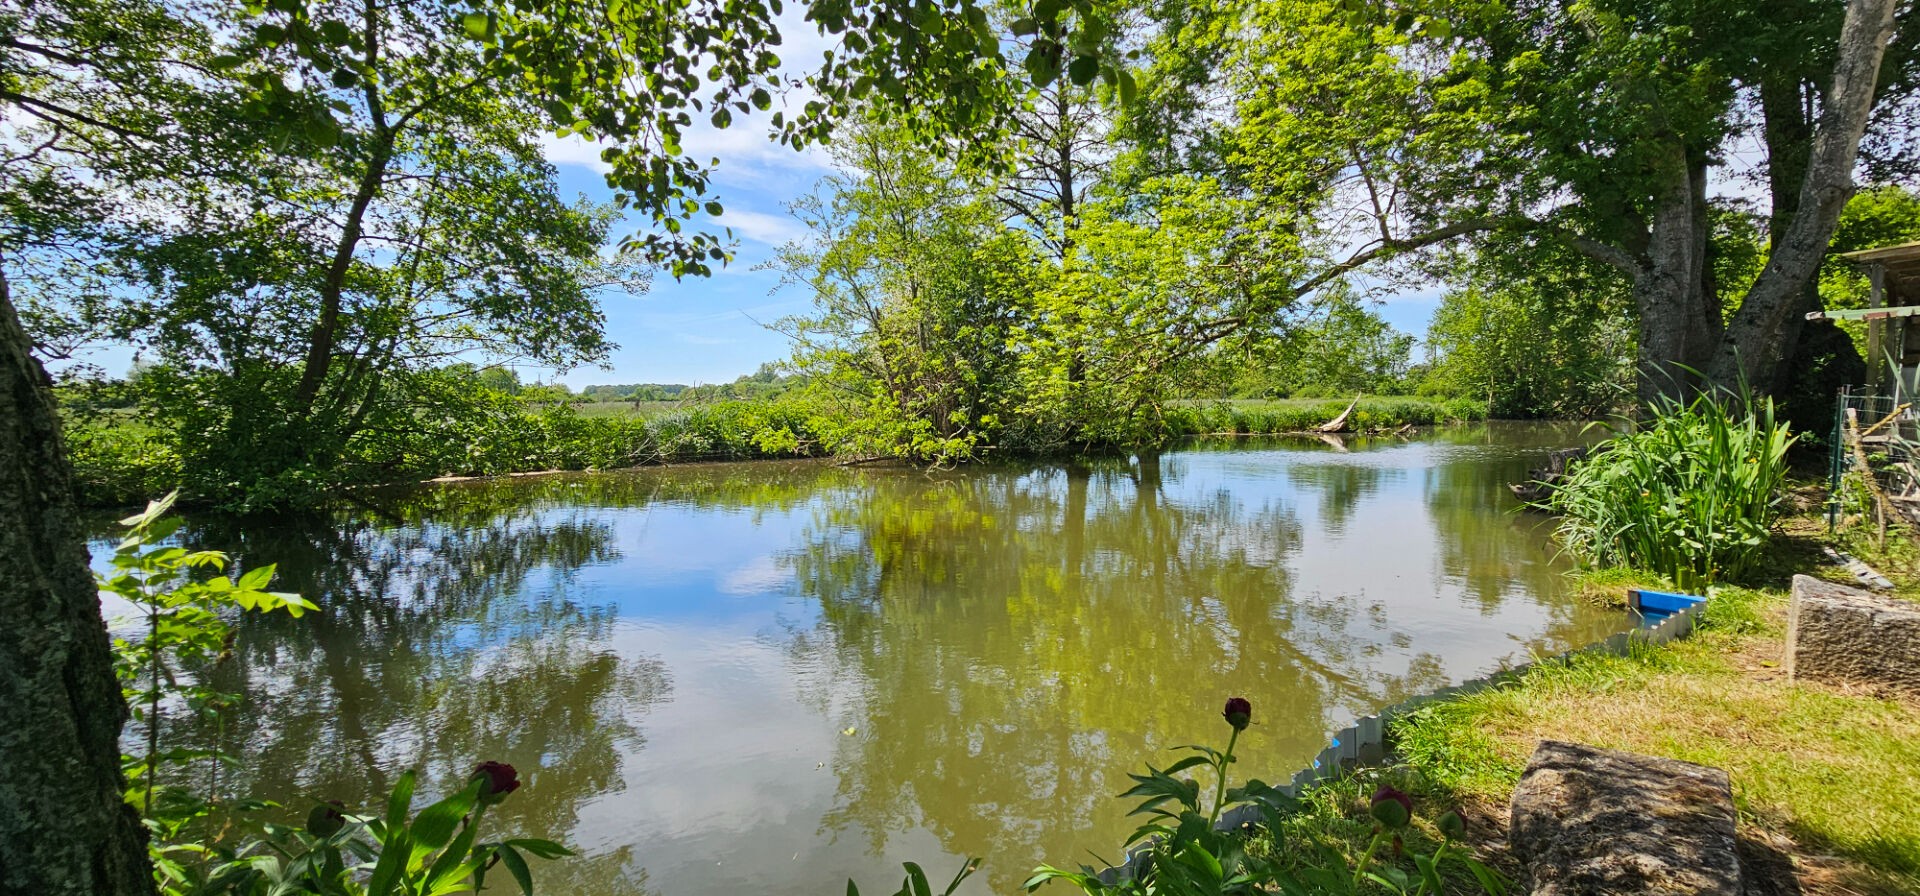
(1785, 109)
(1757, 334)
(64, 827)
(1678, 325)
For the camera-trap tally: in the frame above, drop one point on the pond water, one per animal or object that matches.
(768, 677)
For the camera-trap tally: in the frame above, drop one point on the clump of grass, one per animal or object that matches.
(1690, 495)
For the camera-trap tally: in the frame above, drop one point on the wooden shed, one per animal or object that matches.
(1892, 315)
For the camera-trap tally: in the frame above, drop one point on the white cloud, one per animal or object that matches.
(760, 227)
(573, 149)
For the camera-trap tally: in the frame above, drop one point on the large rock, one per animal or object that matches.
(1588, 821)
(1841, 634)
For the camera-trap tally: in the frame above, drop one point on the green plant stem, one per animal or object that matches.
(153, 702)
(1366, 859)
(1220, 790)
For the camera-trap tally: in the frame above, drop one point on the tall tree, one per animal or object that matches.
(65, 828)
(920, 295)
(1598, 123)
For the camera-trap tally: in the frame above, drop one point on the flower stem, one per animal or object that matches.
(1366, 859)
(1220, 790)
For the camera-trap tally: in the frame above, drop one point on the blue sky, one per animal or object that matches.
(707, 329)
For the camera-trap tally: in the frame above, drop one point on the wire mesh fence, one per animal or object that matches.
(1878, 435)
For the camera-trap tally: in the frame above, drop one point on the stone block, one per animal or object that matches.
(1846, 635)
(1594, 822)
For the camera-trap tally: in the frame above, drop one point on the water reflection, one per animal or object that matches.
(759, 677)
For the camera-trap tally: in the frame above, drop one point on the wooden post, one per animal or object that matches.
(1876, 353)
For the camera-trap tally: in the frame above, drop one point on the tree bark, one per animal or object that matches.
(1678, 325)
(64, 827)
(1788, 129)
(1755, 336)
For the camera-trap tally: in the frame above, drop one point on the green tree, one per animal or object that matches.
(1536, 333)
(919, 292)
(1342, 347)
(1597, 124)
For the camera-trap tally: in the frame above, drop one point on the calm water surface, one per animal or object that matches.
(767, 677)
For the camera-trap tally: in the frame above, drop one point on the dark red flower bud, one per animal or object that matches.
(498, 779)
(326, 820)
(1452, 826)
(1239, 713)
(1391, 808)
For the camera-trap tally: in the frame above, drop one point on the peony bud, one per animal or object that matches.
(325, 820)
(1239, 713)
(1391, 808)
(1452, 826)
(498, 779)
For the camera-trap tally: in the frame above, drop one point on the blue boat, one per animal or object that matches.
(1658, 605)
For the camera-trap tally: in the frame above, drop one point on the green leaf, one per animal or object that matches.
(1043, 63)
(516, 866)
(1082, 70)
(917, 880)
(477, 24)
(255, 579)
(546, 849)
(400, 801)
(435, 825)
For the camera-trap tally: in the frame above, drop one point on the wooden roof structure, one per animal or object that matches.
(1895, 271)
(1892, 312)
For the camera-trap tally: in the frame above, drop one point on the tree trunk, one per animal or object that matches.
(1756, 335)
(1677, 324)
(1788, 129)
(64, 827)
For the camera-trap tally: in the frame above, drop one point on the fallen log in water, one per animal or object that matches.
(1339, 424)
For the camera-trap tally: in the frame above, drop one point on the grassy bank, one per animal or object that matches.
(119, 460)
(1824, 776)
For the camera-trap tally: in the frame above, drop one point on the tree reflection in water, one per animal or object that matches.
(1003, 643)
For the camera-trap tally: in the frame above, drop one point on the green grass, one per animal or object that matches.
(1256, 417)
(1832, 770)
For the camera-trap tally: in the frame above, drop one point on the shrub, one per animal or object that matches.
(1690, 495)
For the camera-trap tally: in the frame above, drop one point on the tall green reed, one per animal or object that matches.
(1690, 493)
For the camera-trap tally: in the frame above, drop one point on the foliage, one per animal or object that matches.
(1342, 347)
(1183, 850)
(1690, 494)
(1302, 415)
(1535, 331)
(920, 297)
(181, 627)
(1160, 276)
(1884, 215)
(183, 632)
(916, 884)
(435, 852)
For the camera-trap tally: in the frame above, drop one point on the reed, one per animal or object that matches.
(1690, 493)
